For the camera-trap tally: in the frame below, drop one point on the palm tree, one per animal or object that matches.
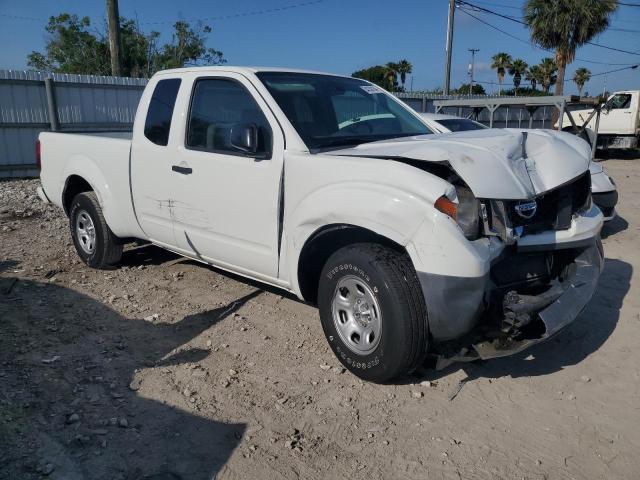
(517, 68)
(581, 76)
(566, 25)
(533, 76)
(391, 75)
(501, 62)
(548, 73)
(404, 68)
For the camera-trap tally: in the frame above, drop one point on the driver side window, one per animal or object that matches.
(620, 101)
(217, 107)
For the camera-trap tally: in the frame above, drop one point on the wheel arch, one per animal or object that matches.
(322, 243)
(73, 185)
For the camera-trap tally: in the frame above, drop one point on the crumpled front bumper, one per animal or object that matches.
(556, 313)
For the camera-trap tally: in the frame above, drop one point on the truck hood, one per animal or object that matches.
(493, 162)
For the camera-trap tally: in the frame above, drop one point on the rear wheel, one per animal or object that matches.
(95, 243)
(373, 312)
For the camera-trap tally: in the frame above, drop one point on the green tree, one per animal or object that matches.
(566, 25)
(465, 87)
(374, 74)
(580, 77)
(404, 68)
(73, 48)
(534, 76)
(501, 63)
(518, 68)
(548, 73)
(524, 92)
(391, 76)
(187, 47)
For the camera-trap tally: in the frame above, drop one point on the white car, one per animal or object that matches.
(603, 188)
(330, 188)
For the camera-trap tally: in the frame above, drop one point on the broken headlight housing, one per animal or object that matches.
(466, 212)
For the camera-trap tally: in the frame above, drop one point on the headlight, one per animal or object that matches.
(466, 212)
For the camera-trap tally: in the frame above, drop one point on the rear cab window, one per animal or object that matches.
(158, 121)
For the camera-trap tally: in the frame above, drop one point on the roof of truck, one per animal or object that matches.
(233, 69)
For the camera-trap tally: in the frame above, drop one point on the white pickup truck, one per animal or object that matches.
(463, 246)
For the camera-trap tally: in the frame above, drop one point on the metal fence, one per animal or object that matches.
(32, 102)
(504, 117)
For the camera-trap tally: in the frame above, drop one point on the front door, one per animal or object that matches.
(227, 199)
(618, 114)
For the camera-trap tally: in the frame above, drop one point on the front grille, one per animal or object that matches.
(554, 209)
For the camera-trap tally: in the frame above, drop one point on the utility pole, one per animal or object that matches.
(471, 67)
(114, 36)
(447, 66)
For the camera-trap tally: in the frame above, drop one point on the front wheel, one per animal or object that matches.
(373, 311)
(95, 243)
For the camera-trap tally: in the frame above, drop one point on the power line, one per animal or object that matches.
(613, 48)
(249, 13)
(521, 20)
(595, 62)
(632, 67)
(628, 30)
(513, 19)
(498, 5)
(20, 17)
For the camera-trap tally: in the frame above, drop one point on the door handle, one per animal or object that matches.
(182, 170)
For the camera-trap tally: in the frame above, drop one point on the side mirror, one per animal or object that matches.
(244, 137)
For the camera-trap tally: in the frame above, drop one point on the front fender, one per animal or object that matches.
(390, 212)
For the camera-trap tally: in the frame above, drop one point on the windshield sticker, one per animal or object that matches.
(370, 89)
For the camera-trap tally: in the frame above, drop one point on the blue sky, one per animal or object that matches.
(338, 36)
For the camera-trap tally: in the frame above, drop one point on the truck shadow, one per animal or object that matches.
(613, 226)
(147, 254)
(63, 353)
(569, 347)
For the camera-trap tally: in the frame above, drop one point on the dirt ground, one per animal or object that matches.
(168, 369)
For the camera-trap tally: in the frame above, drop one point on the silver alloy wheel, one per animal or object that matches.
(356, 315)
(85, 232)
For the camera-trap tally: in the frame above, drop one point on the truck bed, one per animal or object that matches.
(98, 157)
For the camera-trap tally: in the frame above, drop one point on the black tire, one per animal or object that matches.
(391, 278)
(107, 248)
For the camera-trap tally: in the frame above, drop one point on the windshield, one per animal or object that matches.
(460, 124)
(331, 112)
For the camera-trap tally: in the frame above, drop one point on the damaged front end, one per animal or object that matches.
(535, 309)
(544, 276)
(528, 297)
(542, 279)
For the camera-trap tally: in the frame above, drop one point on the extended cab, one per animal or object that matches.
(464, 246)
